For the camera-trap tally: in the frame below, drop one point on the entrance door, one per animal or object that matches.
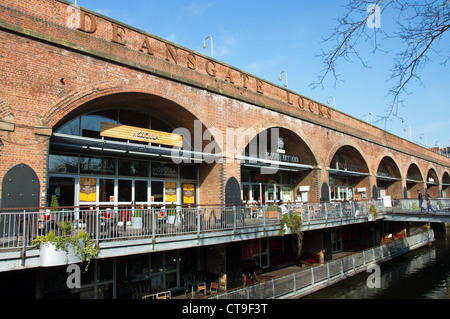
(20, 188)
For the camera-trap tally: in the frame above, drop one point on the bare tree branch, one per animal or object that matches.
(421, 25)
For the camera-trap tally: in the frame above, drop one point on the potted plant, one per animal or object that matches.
(136, 219)
(373, 212)
(171, 214)
(65, 249)
(294, 223)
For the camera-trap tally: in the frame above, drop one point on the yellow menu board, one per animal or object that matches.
(171, 192)
(188, 194)
(88, 189)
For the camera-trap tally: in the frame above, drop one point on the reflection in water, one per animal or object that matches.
(423, 273)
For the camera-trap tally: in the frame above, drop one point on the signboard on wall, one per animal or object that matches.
(88, 189)
(126, 132)
(188, 194)
(171, 192)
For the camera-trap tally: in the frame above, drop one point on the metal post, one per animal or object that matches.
(198, 222)
(295, 284)
(153, 219)
(234, 219)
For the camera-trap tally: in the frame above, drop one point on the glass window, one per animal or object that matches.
(245, 176)
(140, 191)
(188, 172)
(90, 125)
(256, 192)
(246, 192)
(270, 193)
(64, 189)
(100, 166)
(156, 263)
(106, 190)
(132, 168)
(157, 191)
(125, 187)
(164, 170)
(61, 164)
(171, 260)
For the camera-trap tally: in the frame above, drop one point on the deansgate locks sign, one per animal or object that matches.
(141, 42)
(126, 132)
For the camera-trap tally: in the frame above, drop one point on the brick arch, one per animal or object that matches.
(76, 99)
(390, 157)
(408, 167)
(268, 124)
(445, 178)
(433, 170)
(343, 143)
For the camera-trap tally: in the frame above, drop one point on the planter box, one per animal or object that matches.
(50, 256)
(271, 213)
(136, 222)
(171, 219)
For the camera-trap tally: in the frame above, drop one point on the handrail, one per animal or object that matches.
(19, 228)
(316, 277)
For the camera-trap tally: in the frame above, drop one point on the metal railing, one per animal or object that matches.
(314, 278)
(18, 229)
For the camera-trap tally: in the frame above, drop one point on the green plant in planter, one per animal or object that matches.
(54, 204)
(295, 225)
(136, 210)
(272, 208)
(86, 253)
(172, 210)
(373, 210)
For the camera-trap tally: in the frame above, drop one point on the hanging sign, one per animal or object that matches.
(126, 132)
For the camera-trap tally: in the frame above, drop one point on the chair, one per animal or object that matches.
(163, 295)
(213, 288)
(201, 288)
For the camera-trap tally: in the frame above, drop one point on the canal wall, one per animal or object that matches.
(310, 280)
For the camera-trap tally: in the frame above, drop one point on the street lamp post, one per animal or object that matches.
(334, 101)
(426, 142)
(212, 45)
(410, 134)
(280, 78)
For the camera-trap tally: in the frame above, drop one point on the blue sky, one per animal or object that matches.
(265, 38)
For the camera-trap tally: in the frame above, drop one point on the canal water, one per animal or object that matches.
(420, 274)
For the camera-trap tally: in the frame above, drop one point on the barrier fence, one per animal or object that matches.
(18, 229)
(311, 279)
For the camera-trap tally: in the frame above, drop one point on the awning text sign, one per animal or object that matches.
(140, 134)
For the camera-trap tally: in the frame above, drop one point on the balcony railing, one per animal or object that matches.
(18, 229)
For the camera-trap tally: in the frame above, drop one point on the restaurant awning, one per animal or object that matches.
(272, 166)
(340, 172)
(388, 178)
(87, 145)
